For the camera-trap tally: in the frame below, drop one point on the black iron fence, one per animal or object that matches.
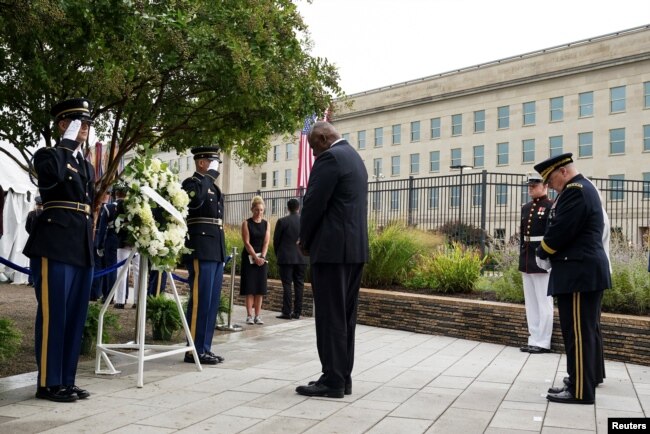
(480, 208)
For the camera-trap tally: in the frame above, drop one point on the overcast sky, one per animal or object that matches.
(375, 43)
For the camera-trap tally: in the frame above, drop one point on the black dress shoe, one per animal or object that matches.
(566, 397)
(537, 350)
(319, 389)
(219, 358)
(118, 305)
(205, 359)
(284, 316)
(347, 390)
(558, 389)
(56, 394)
(81, 393)
(524, 348)
(295, 315)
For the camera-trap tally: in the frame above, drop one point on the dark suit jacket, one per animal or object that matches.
(285, 235)
(334, 217)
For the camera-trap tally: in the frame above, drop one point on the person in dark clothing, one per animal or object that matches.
(97, 288)
(32, 218)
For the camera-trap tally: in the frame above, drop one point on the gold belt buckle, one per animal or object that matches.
(219, 222)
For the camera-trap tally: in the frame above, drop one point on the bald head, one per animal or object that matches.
(321, 136)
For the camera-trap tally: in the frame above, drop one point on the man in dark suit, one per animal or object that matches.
(60, 248)
(97, 288)
(573, 243)
(205, 237)
(334, 232)
(290, 260)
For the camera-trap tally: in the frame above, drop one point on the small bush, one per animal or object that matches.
(10, 339)
(89, 334)
(163, 314)
(630, 292)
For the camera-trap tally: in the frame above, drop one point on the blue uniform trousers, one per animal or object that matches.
(157, 282)
(62, 293)
(205, 279)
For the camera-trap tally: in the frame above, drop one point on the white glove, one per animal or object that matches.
(214, 165)
(544, 264)
(72, 131)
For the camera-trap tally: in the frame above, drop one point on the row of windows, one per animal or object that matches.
(275, 179)
(617, 104)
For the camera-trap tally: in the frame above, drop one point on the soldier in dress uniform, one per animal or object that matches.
(107, 241)
(573, 244)
(539, 305)
(61, 250)
(205, 237)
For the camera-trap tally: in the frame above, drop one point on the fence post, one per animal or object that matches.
(483, 209)
(410, 202)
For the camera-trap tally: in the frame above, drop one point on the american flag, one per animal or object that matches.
(305, 156)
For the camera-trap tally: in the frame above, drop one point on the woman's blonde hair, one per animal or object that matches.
(257, 200)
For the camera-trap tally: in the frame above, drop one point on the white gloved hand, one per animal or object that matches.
(214, 165)
(72, 131)
(544, 264)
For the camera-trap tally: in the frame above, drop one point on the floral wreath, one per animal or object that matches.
(150, 229)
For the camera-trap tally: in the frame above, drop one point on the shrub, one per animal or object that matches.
(10, 339)
(457, 232)
(630, 292)
(163, 314)
(504, 277)
(89, 334)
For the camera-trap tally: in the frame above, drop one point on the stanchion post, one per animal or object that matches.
(231, 327)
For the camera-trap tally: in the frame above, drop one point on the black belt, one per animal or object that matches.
(74, 206)
(204, 221)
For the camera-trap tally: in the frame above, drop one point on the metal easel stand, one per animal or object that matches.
(231, 327)
(103, 350)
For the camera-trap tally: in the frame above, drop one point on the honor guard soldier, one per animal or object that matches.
(539, 305)
(573, 244)
(205, 237)
(107, 242)
(60, 248)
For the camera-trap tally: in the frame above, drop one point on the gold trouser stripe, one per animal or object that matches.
(45, 311)
(195, 298)
(577, 331)
(158, 282)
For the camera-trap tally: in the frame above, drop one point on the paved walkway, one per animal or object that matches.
(402, 383)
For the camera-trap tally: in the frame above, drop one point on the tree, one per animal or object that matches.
(163, 74)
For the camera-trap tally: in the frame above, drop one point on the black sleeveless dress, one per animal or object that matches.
(253, 278)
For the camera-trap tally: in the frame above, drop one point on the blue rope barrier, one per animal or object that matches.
(105, 271)
(14, 266)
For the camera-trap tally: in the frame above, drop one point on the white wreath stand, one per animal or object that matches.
(141, 320)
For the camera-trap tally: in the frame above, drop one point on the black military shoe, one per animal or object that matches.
(537, 350)
(295, 316)
(319, 389)
(56, 394)
(347, 390)
(284, 316)
(524, 348)
(219, 358)
(566, 397)
(205, 359)
(81, 393)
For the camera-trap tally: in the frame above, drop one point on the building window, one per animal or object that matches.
(529, 113)
(585, 144)
(276, 152)
(454, 196)
(557, 109)
(189, 163)
(646, 137)
(288, 151)
(479, 156)
(376, 200)
(502, 154)
(263, 180)
(377, 169)
(361, 139)
(646, 185)
(433, 197)
(479, 121)
(528, 151)
(503, 117)
(394, 200)
(435, 128)
(617, 141)
(477, 194)
(414, 199)
(555, 144)
(394, 165)
(616, 187)
(287, 177)
(414, 164)
(434, 161)
(379, 137)
(456, 125)
(617, 99)
(415, 131)
(397, 134)
(501, 194)
(586, 102)
(346, 137)
(646, 94)
(455, 157)
(275, 178)
(274, 206)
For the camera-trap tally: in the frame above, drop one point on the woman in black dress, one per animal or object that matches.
(256, 233)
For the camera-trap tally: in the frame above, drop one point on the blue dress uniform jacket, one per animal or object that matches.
(534, 216)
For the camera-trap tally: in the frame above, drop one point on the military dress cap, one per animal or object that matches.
(533, 178)
(546, 167)
(75, 108)
(209, 152)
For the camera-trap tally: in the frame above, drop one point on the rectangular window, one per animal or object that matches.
(275, 178)
(394, 200)
(501, 194)
(454, 196)
(415, 131)
(617, 141)
(287, 177)
(646, 94)
(479, 156)
(288, 151)
(555, 144)
(503, 117)
(616, 187)
(502, 154)
(455, 157)
(435, 128)
(529, 113)
(397, 134)
(274, 206)
(456, 125)
(394, 165)
(585, 144)
(377, 169)
(479, 121)
(346, 137)
(361, 139)
(414, 164)
(263, 180)
(586, 103)
(646, 185)
(414, 199)
(276, 152)
(646, 137)
(528, 151)
(379, 137)
(376, 200)
(433, 197)
(434, 161)
(557, 109)
(617, 99)
(477, 195)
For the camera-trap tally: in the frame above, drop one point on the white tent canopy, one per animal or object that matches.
(18, 202)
